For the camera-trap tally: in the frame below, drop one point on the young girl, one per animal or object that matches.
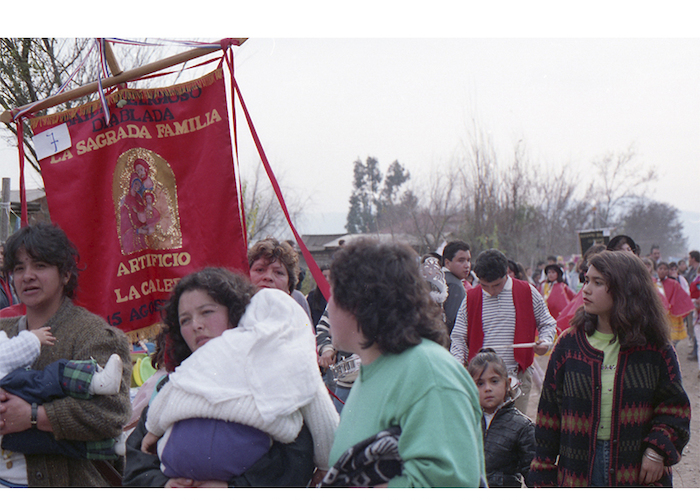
(613, 411)
(509, 435)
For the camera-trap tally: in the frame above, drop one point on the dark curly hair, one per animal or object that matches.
(638, 316)
(272, 250)
(231, 290)
(381, 285)
(490, 265)
(45, 243)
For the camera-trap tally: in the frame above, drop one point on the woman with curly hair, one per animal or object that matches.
(275, 264)
(243, 388)
(411, 394)
(613, 411)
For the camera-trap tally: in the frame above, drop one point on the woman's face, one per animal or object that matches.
(596, 297)
(266, 274)
(201, 318)
(626, 247)
(552, 275)
(345, 331)
(39, 285)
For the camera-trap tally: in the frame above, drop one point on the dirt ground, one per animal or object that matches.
(686, 474)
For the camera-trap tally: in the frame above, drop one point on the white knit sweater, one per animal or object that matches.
(263, 373)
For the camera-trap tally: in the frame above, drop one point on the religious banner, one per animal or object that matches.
(148, 198)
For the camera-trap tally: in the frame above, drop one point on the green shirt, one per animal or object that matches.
(427, 393)
(601, 341)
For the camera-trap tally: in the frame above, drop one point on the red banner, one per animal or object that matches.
(147, 199)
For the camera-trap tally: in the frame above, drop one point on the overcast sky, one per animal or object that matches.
(572, 94)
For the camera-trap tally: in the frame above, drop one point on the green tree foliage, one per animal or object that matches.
(373, 204)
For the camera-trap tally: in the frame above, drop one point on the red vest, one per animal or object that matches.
(525, 324)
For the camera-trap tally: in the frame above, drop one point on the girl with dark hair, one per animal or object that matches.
(613, 411)
(244, 387)
(410, 390)
(509, 435)
(566, 314)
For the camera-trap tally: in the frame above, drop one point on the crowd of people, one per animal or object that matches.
(417, 371)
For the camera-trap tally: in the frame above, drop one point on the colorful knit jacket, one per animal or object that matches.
(651, 410)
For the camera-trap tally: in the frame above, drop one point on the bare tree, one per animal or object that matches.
(620, 180)
(438, 211)
(32, 69)
(263, 213)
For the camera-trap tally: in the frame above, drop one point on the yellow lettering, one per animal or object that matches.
(133, 130)
(147, 287)
(111, 137)
(119, 296)
(121, 134)
(100, 140)
(165, 258)
(91, 144)
(134, 263)
(167, 285)
(133, 293)
(181, 128)
(65, 156)
(122, 270)
(144, 134)
(184, 258)
(214, 116)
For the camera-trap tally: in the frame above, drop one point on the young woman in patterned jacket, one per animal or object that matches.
(613, 411)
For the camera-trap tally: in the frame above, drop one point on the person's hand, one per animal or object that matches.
(44, 335)
(181, 482)
(15, 413)
(327, 358)
(318, 477)
(541, 348)
(148, 443)
(651, 469)
(211, 484)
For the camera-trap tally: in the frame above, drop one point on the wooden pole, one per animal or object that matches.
(5, 210)
(112, 60)
(147, 69)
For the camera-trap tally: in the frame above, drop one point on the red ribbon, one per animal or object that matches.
(22, 191)
(313, 267)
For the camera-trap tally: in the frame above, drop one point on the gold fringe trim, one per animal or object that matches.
(146, 333)
(112, 99)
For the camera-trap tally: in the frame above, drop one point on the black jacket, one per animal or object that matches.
(509, 446)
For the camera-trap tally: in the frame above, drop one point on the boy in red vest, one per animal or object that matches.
(499, 312)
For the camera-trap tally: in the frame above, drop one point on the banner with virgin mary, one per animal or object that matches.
(147, 198)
